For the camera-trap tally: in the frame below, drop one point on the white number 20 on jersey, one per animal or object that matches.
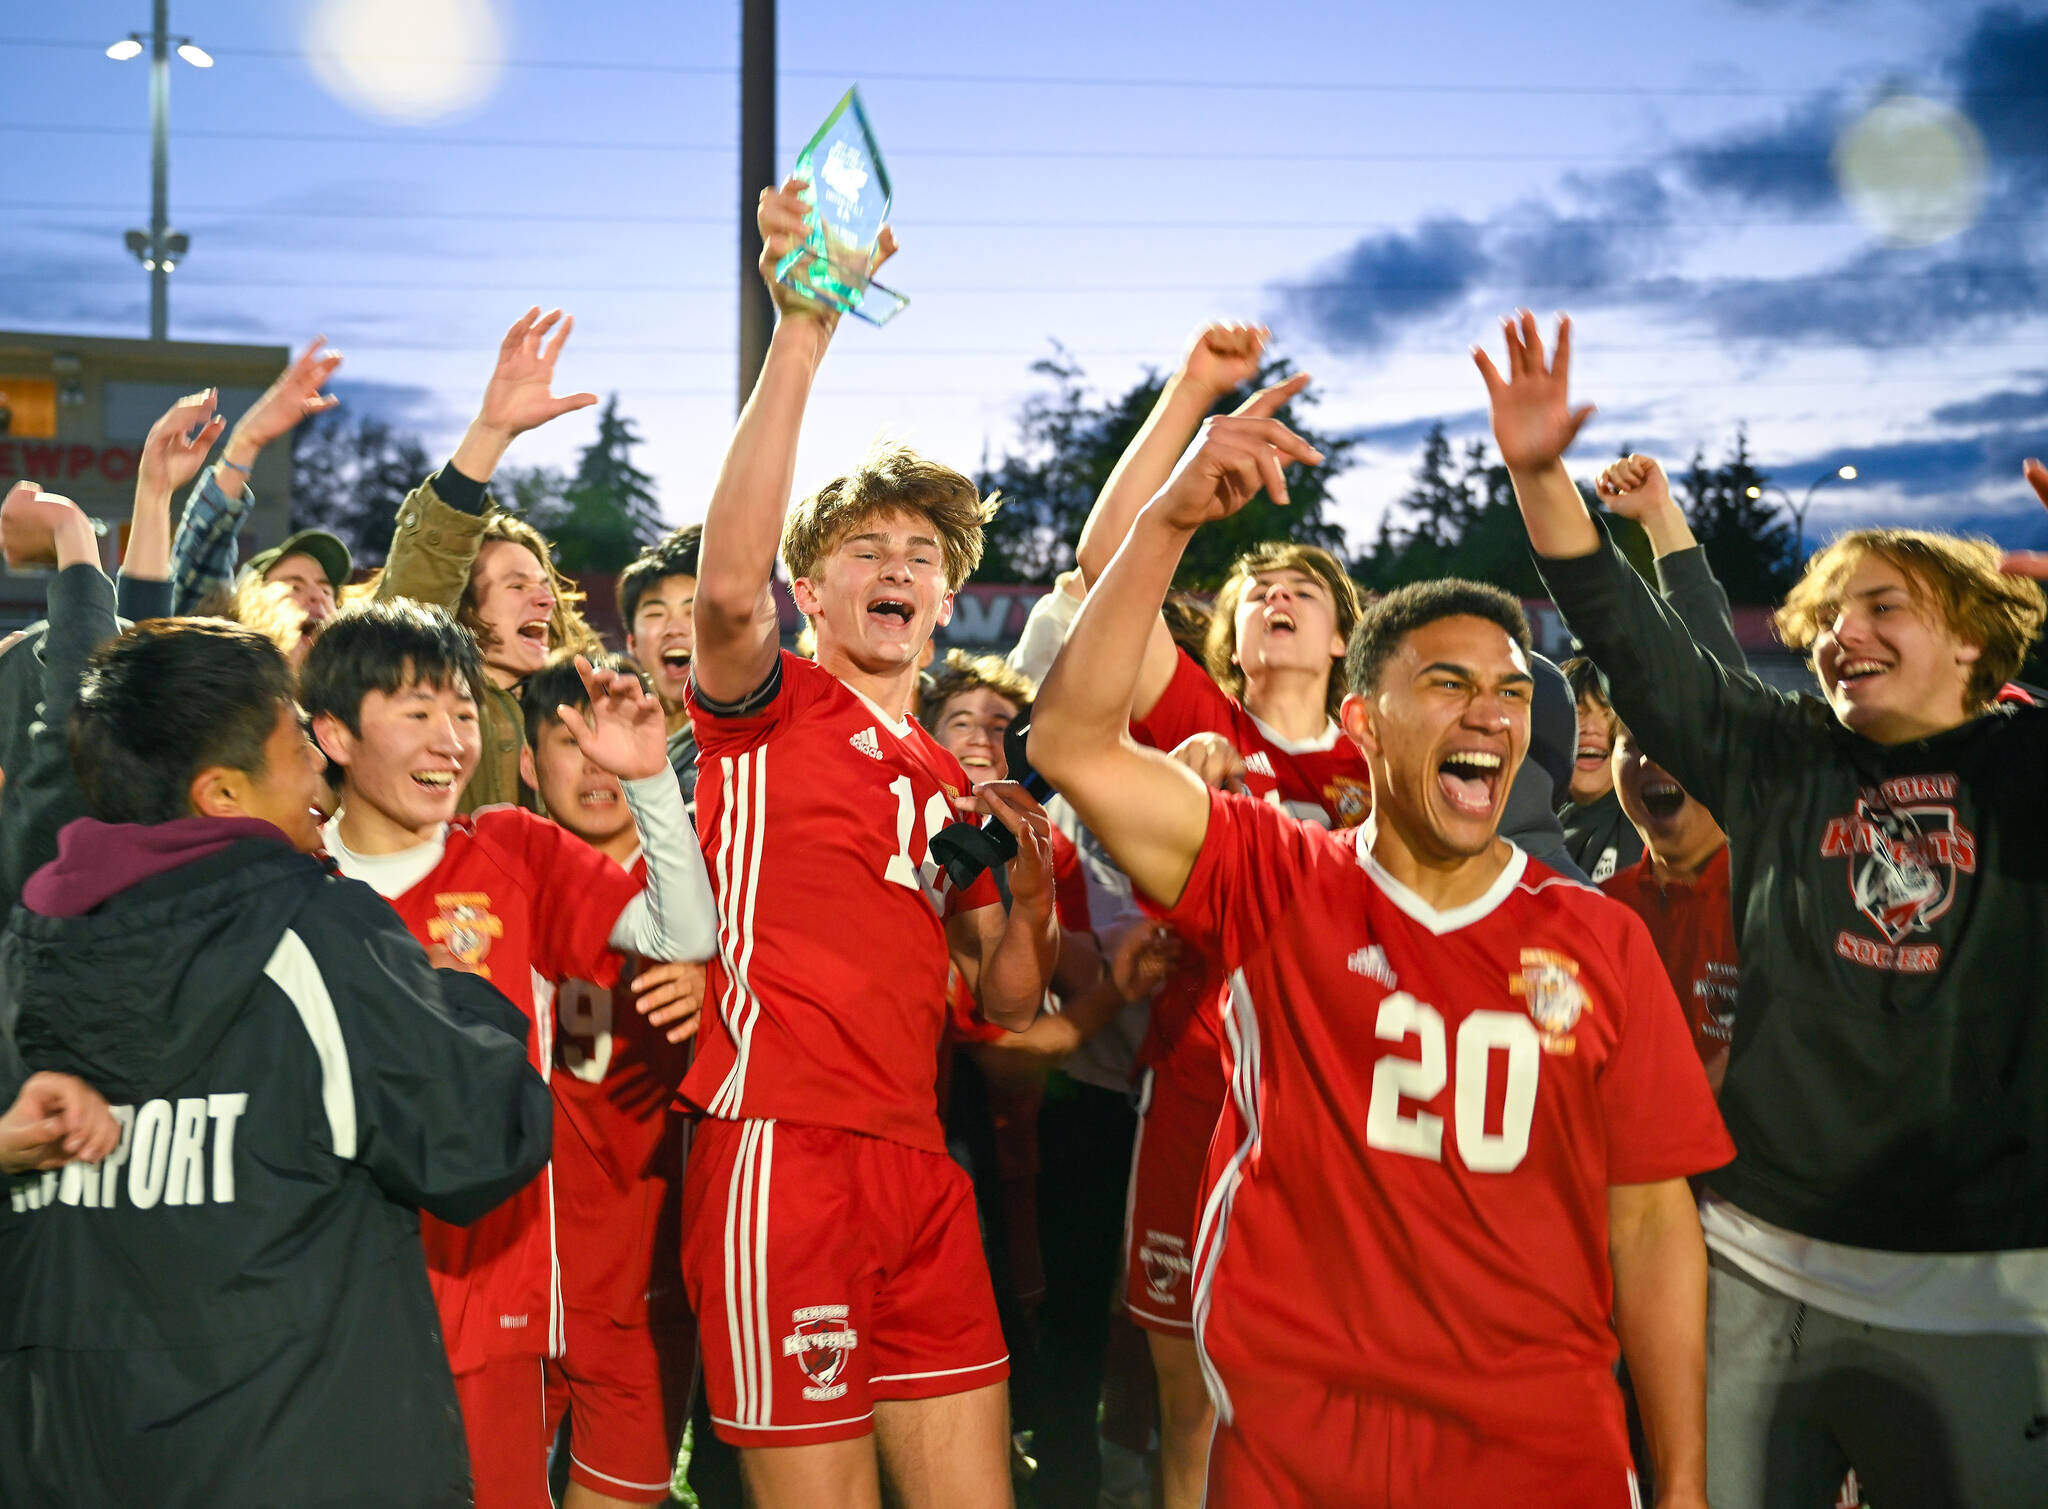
(1420, 1134)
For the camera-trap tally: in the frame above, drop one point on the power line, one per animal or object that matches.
(1209, 83)
(896, 152)
(579, 217)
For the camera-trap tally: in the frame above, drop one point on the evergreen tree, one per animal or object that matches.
(608, 511)
(1747, 544)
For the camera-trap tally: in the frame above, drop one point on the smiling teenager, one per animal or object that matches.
(521, 902)
(493, 572)
(1879, 1292)
(1444, 1059)
(1263, 698)
(830, 1244)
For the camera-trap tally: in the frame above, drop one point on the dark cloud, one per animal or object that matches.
(1405, 434)
(2006, 406)
(1783, 164)
(1390, 280)
(1937, 466)
(1998, 73)
(405, 406)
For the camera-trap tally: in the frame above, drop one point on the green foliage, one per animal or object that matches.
(1070, 441)
(349, 478)
(1460, 520)
(1748, 546)
(608, 511)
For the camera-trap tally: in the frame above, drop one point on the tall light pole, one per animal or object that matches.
(1798, 510)
(160, 248)
(757, 171)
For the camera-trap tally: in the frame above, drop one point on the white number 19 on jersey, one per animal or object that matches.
(1420, 1134)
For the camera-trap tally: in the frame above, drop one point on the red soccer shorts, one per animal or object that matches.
(626, 1390)
(1165, 1205)
(828, 1270)
(504, 1417)
(1298, 1446)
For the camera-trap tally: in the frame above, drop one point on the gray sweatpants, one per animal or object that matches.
(1796, 1396)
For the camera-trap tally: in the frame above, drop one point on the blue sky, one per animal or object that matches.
(1378, 182)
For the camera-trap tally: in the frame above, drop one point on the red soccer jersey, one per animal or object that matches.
(1324, 781)
(1693, 928)
(618, 1164)
(519, 901)
(1409, 1182)
(830, 984)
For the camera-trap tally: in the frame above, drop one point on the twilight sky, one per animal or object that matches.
(1378, 182)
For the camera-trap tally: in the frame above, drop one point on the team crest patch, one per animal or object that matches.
(466, 927)
(1349, 801)
(1549, 982)
(1164, 1260)
(819, 1340)
(1906, 848)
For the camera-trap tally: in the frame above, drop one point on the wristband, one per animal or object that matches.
(233, 466)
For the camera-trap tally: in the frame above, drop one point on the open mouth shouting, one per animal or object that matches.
(1470, 780)
(892, 612)
(1281, 622)
(535, 632)
(1662, 797)
(1591, 754)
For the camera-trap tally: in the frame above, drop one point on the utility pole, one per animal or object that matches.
(757, 171)
(160, 173)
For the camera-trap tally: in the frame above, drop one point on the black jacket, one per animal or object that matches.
(233, 1310)
(1888, 1081)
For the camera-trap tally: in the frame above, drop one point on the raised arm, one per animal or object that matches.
(1636, 488)
(1709, 727)
(674, 917)
(176, 449)
(440, 524)
(1149, 811)
(1220, 359)
(42, 794)
(735, 623)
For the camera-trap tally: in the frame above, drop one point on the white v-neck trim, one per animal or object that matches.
(1322, 743)
(1439, 922)
(900, 727)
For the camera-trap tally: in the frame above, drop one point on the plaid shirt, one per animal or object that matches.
(203, 554)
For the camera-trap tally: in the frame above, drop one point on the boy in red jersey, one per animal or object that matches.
(629, 1347)
(1462, 1105)
(511, 897)
(829, 1243)
(1268, 685)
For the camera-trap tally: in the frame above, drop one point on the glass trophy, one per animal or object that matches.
(847, 190)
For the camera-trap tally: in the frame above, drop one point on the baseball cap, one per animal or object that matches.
(327, 549)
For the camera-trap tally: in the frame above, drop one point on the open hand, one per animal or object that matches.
(671, 995)
(40, 529)
(1234, 457)
(781, 218)
(624, 731)
(293, 397)
(1534, 423)
(1215, 759)
(520, 395)
(178, 445)
(2032, 563)
(1223, 358)
(56, 1118)
(1634, 486)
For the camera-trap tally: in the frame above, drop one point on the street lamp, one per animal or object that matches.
(159, 249)
(1798, 510)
